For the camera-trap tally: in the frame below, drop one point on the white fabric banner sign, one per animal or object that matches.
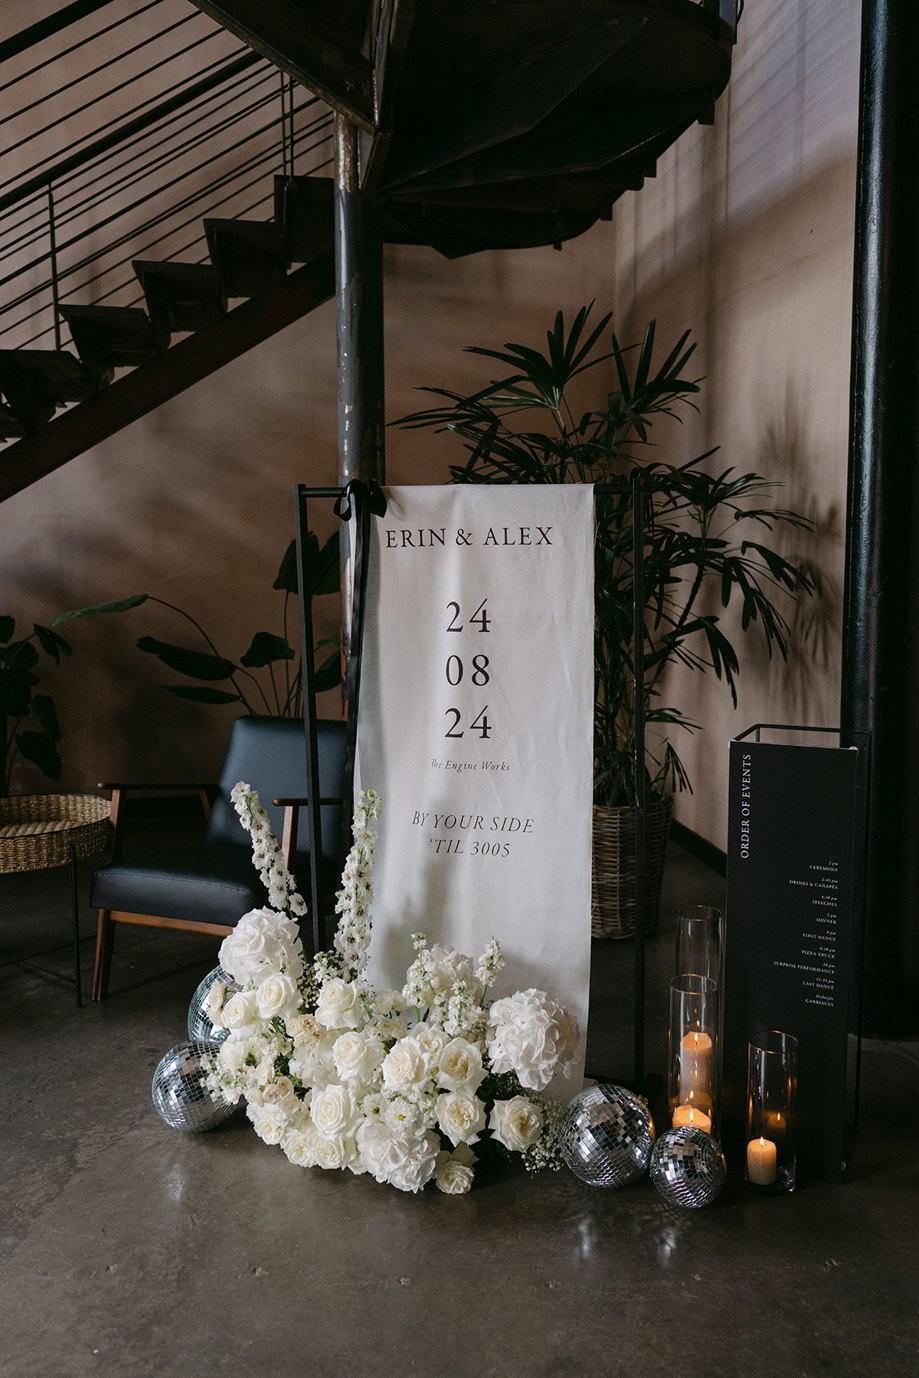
(476, 729)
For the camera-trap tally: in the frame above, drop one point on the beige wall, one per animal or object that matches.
(194, 503)
(744, 235)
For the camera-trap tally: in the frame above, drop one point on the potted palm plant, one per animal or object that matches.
(706, 541)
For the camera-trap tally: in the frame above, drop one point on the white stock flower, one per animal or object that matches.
(339, 1006)
(453, 1172)
(271, 1122)
(459, 1067)
(516, 1123)
(531, 1034)
(460, 1117)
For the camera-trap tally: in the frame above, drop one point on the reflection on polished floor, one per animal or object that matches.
(130, 1249)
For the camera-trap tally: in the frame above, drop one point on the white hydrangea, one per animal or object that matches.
(531, 1035)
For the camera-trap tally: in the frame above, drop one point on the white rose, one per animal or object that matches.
(277, 997)
(516, 1123)
(532, 1035)
(240, 1014)
(460, 1117)
(357, 1055)
(333, 1111)
(339, 1150)
(460, 1067)
(281, 1092)
(214, 1003)
(339, 1006)
(453, 1172)
(405, 1066)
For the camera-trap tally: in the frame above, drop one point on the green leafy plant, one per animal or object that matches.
(705, 536)
(28, 720)
(278, 692)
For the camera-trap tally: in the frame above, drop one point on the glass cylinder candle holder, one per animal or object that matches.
(772, 1084)
(694, 1072)
(698, 942)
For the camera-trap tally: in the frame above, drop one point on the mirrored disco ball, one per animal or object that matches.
(687, 1167)
(605, 1136)
(180, 1091)
(199, 1021)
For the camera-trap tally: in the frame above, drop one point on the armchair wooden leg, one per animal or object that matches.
(105, 934)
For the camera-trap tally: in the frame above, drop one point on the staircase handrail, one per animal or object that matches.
(127, 130)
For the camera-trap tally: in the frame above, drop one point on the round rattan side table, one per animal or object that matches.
(43, 830)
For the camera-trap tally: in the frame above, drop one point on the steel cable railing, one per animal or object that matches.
(193, 141)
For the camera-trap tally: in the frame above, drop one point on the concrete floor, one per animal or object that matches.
(131, 1249)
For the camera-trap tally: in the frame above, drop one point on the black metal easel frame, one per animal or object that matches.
(359, 500)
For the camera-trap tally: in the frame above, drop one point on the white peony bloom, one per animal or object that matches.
(530, 1034)
(339, 1006)
(460, 1117)
(405, 1066)
(516, 1123)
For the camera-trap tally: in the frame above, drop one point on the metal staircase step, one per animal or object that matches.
(249, 255)
(180, 296)
(35, 382)
(108, 337)
(11, 428)
(304, 207)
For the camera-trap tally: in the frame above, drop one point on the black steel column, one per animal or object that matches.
(881, 630)
(359, 300)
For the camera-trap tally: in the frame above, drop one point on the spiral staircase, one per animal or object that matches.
(482, 126)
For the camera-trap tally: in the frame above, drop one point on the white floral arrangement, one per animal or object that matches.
(401, 1084)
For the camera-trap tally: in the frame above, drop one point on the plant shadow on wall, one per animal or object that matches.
(28, 719)
(268, 677)
(702, 531)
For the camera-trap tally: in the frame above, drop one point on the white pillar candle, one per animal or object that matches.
(696, 1067)
(761, 1167)
(691, 1114)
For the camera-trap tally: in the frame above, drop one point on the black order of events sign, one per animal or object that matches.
(476, 728)
(793, 926)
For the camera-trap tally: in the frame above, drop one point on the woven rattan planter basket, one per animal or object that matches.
(613, 889)
(37, 830)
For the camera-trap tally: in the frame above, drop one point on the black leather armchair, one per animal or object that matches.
(208, 889)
